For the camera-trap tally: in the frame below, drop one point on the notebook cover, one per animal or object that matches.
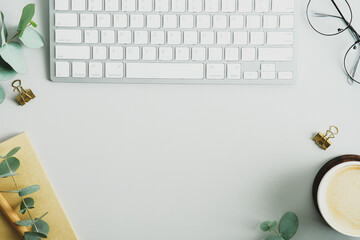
(31, 173)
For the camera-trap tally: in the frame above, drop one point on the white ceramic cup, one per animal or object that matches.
(322, 198)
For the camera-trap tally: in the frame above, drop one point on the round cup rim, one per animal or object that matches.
(321, 186)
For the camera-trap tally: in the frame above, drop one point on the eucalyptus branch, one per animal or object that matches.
(17, 34)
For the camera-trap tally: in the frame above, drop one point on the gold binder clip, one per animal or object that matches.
(24, 95)
(323, 140)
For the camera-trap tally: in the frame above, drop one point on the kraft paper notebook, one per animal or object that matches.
(31, 172)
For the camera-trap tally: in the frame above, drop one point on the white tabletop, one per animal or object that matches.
(175, 162)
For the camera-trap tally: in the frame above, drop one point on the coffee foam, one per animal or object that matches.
(343, 199)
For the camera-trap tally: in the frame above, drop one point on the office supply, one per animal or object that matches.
(46, 199)
(330, 18)
(323, 139)
(24, 95)
(174, 41)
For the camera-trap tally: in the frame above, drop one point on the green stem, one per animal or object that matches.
(17, 34)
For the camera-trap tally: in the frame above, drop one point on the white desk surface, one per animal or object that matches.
(187, 162)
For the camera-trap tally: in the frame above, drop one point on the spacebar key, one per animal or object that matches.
(165, 70)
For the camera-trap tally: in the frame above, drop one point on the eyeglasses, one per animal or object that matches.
(332, 17)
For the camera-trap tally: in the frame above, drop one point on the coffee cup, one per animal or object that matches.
(338, 196)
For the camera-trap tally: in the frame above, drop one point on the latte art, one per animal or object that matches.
(343, 199)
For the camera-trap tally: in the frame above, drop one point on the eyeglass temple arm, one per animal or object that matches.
(353, 31)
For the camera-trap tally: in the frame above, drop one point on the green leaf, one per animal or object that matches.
(2, 93)
(12, 53)
(28, 190)
(5, 175)
(27, 203)
(268, 226)
(34, 234)
(4, 33)
(6, 71)
(14, 164)
(42, 227)
(274, 237)
(26, 16)
(26, 223)
(12, 152)
(32, 39)
(288, 225)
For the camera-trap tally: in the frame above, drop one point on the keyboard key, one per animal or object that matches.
(165, 70)
(268, 67)
(95, 5)
(194, 6)
(173, 37)
(95, 70)
(211, 5)
(203, 21)
(207, 38)
(287, 21)
(219, 21)
(149, 53)
(120, 20)
(245, 5)
(233, 71)
(108, 36)
(182, 53)
(251, 75)
(262, 5)
(62, 69)
(145, 6)
(99, 52)
(124, 37)
(153, 21)
(267, 75)
(276, 54)
(285, 75)
(186, 21)
(270, 21)
(78, 5)
(257, 38)
(240, 38)
(198, 54)
(61, 5)
(253, 21)
(231, 54)
(72, 52)
(215, 71)
(116, 53)
(157, 37)
(129, 5)
(215, 54)
(223, 38)
(141, 37)
(161, 5)
(103, 20)
(170, 21)
(111, 5)
(190, 37)
(178, 5)
(91, 36)
(280, 38)
(228, 6)
(79, 69)
(248, 54)
(236, 21)
(114, 70)
(165, 53)
(66, 19)
(283, 5)
(87, 20)
(136, 21)
(67, 36)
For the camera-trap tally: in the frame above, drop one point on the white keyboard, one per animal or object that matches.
(174, 41)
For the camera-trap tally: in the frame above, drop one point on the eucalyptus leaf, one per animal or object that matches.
(42, 227)
(2, 93)
(3, 33)
(268, 226)
(5, 175)
(28, 190)
(26, 223)
(27, 203)
(6, 71)
(34, 234)
(288, 225)
(274, 237)
(12, 152)
(31, 38)
(12, 53)
(26, 16)
(13, 162)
